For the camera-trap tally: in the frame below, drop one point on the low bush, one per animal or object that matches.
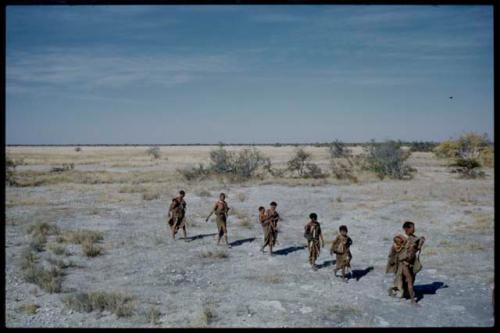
(154, 152)
(120, 304)
(387, 159)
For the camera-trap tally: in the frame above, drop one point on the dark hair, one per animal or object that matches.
(313, 216)
(343, 227)
(261, 208)
(408, 224)
(273, 204)
(222, 193)
(182, 192)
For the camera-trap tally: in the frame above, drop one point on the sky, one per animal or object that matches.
(247, 74)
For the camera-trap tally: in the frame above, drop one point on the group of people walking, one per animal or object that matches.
(403, 260)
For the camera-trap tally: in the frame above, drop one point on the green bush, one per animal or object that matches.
(387, 159)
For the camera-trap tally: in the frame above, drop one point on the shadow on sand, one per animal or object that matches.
(326, 263)
(359, 273)
(192, 238)
(242, 241)
(427, 289)
(286, 251)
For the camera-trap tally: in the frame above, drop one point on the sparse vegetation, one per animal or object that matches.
(338, 149)
(301, 165)
(298, 162)
(29, 309)
(468, 153)
(86, 238)
(90, 249)
(38, 242)
(387, 159)
(65, 167)
(120, 304)
(49, 280)
(154, 152)
(239, 166)
(153, 315)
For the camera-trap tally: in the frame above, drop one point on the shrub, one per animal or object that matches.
(247, 163)
(81, 236)
(387, 159)
(38, 242)
(154, 152)
(239, 166)
(78, 149)
(338, 149)
(49, 280)
(153, 315)
(120, 304)
(90, 249)
(298, 162)
(194, 173)
(42, 228)
(221, 160)
(65, 167)
(469, 153)
(29, 309)
(314, 171)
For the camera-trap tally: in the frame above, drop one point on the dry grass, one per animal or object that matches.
(86, 238)
(206, 316)
(120, 304)
(57, 249)
(81, 236)
(153, 315)
(49, 280)
(150, 195)
(218, 254)
(29, 309)
(38, 242)
(42, 228)
(482, 223)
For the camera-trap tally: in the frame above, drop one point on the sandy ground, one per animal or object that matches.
(249, 288)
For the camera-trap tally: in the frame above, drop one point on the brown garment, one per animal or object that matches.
(273, 218)
(177, 212)
(314, 230)
(341, 247)
(269, 230)
(404, 262)
(221, 208)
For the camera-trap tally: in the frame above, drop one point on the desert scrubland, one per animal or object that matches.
(89, 246)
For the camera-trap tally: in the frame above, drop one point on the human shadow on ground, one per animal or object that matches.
(359, 273)
(242, 241)
(192, 238)
(286, 251)
(326, 263)
(427, 289)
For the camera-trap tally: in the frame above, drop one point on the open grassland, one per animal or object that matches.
(90, 246)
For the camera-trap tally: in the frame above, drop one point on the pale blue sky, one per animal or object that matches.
(256, 74)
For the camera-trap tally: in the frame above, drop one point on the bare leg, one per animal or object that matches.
(184, 232)
(409, 281)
